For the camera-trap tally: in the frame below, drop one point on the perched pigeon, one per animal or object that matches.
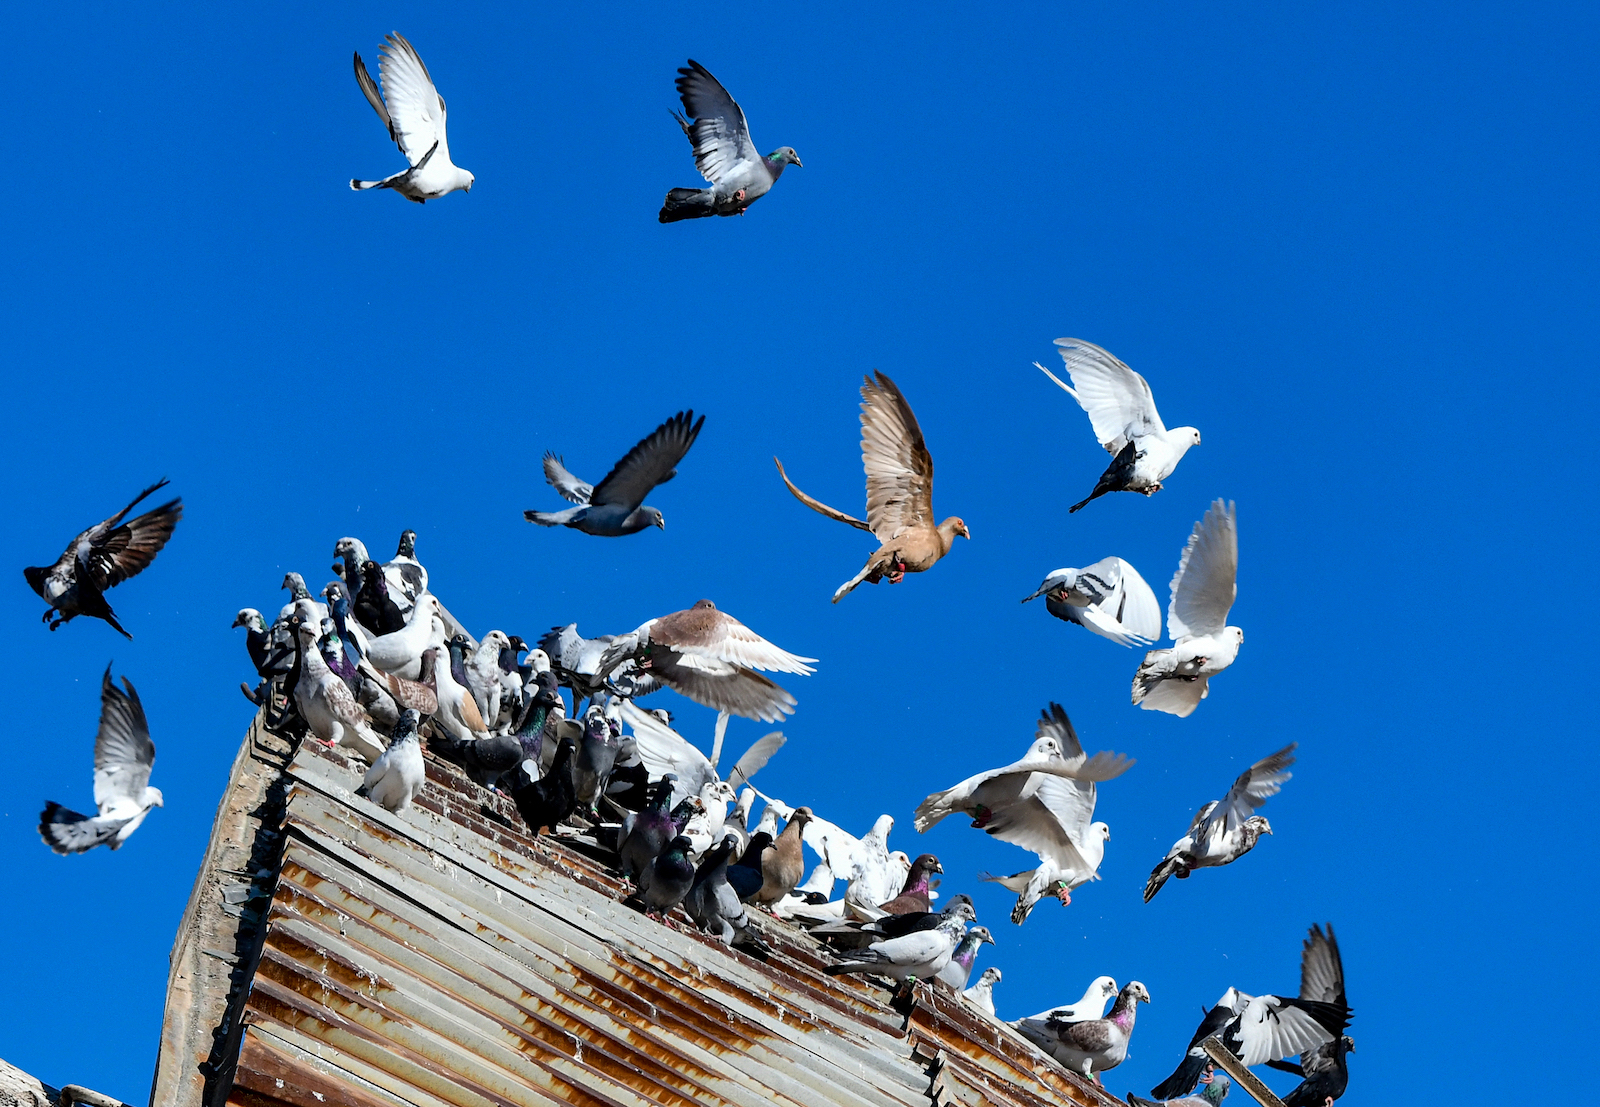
(644, 832)
(300, 601)
(327, 704)
(616, 505)
(713, 903)
(1203, 589)
(414, 112)
(1322, 1067)
(1256, 1029)
(723, 152)
(710, 657)
(916, 956)
(667, 879)
(899, 491)
(458, 714)
(1108, 597)
(959, 970)
(401, 651)
(397, 775)
(405, 570)
(1211, 1091)
(1123, 414)
(782, 863)
(916, 893)
(101, 558)
(1090, 1046)
(1101, 990)
(1225, 830)
(373, 607)
(981, 994)
(487, 760)
(549, 800)
(123, 757)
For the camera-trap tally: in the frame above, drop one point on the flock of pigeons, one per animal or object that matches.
(374, 664)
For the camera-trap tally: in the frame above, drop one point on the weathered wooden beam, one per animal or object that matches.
(1242, 1076)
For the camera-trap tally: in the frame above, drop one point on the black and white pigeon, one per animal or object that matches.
(915, 956)
(1101, 990)
(723, 152)
(398, 774)
(123, 757)
(1123, 413)
(981, 994)
(667, 879)
(1225, 830)
(101, 558)
(404, 568)
(575, 660)
(616, 505)
(1108, 597)
(1256, 1029)
(1322, 1067)
(413, 111)
(1089, 1046)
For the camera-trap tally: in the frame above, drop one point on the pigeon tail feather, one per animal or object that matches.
(687, 203)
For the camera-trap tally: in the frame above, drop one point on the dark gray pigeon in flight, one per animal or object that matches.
(616, 505)
(1322, 1067)
(101, 558)
(123, 757)
(723, 152)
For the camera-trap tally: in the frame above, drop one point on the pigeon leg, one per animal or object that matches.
(739, 196)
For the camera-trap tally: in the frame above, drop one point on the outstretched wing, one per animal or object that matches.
(1051, 823)
(651, 462)
(1203, 588)
(817, 505)
(123, 751)
(719, 134)
(1321, 968)
(1105, 765)
(663, 750)
(415, 108)
(1252, 788)
(1117, 399)
(1271, 1027)
(113, 551)
(1129, 600)
(704, 632)
(570, 488)
(755, 759)
(899, 468)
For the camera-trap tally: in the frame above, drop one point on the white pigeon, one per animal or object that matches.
(1123, 413)
(397, 775)
(414, 112)
(1109, 597)
(663, 750)
(916, 956)
(1225, 830)
(1176, 680)
(1089, 1046)
(1100, 991)
(401, 652)
(123, 758)
(981, 994)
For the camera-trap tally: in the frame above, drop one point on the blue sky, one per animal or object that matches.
(1355, 247)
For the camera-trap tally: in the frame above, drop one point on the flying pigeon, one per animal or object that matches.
(1212, 1090)
(1322, 1067)
(1108, 597)
(576, 662)
(723, 152)
(1175, 680)
(101, 558)
(616, 505)
(713, 903)
(123, 757)
(1090, 1046)
(915, 956)
(981, 994)
(1256, 1029)
(959, 969)
(397, 774)
(710, 657)
(899, 491)
(1042, 803)
(1123, 414)
(1225, 830)
(667, 879)
(414, 112)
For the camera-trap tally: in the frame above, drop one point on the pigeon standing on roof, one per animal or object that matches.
(1100, 991)
(1123, 413)
(123, 758)
(915, 956)
(404, 568)
(1109, 597)
(713, 903)
(981, 994)
(397, 775)
(643, 833)
(616, 505)
(667, 879)
(373, 606)
(1090, 1046)
(783, 863)
(550, 799)
(413, 111)
(1225, 830)
(1322, 1067)
(723, 152)
(1256, 1029)
(327, 704)
(401, 652)
(101, 558)
(597, 753)
(959, 970)
(1176, 680)
(899, 491)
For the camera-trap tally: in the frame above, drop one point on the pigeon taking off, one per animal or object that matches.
(1225, 830)
(1203, 590)
(123, 756)
(101, 558)
(1322, 1067)
(1255, 1029)
(1123, 413)
(723, 152)
(414, 112)
(1108, 597)
(616, 505)
(899, 491)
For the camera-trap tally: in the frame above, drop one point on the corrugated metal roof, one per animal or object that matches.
(444, 957)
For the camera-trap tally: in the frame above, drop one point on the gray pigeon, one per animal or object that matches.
(667, 879)
(915, 956)
(123, 757)
(714, 904)
(723, 152)
(1212, 1090)
(959, 970)
(398, 773)
(597, 754)
(575, 660)
(616, 505)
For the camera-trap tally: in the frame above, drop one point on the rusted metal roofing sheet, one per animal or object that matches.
(442, 957)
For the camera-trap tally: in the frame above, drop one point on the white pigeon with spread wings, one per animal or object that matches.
(1203, 589)
(1225, 830)
(123, 757)
(1123, 413)
(414, 112)
(1109, 597)
(616, 505)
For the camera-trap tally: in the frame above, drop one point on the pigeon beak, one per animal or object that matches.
(797, 163)
(662, 523)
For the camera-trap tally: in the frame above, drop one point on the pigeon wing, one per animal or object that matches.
(1052, 823)
(651, 462)
(1054, 723)
(1271, 1027)
(817, 505)
(570, 488)
(1252, 788)
(1321, 968)
(120, 552)
(416, 110)
(899, 468)
(724, 687)
(1118, 400)
(755, 759)
(707, 633)
(123, 751)
(719, 133)
(1203, 588)
(663, 750)
(1134, 603)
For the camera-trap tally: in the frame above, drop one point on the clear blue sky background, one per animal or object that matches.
(1356, 247)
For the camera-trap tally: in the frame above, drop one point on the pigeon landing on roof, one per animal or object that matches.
(899, 491)
(981, 994)
(664, 751)
(1123, 413)
(1203, 590)
(101, 558)
(414, 112)
(616, 505)
(575, 660)
(1225, 830)
(123, 757)
(723, 152)
(1322, 1067)
(1091, 1046)
(1109, 597)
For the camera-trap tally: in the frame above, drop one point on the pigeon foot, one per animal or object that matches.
(739, 196)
